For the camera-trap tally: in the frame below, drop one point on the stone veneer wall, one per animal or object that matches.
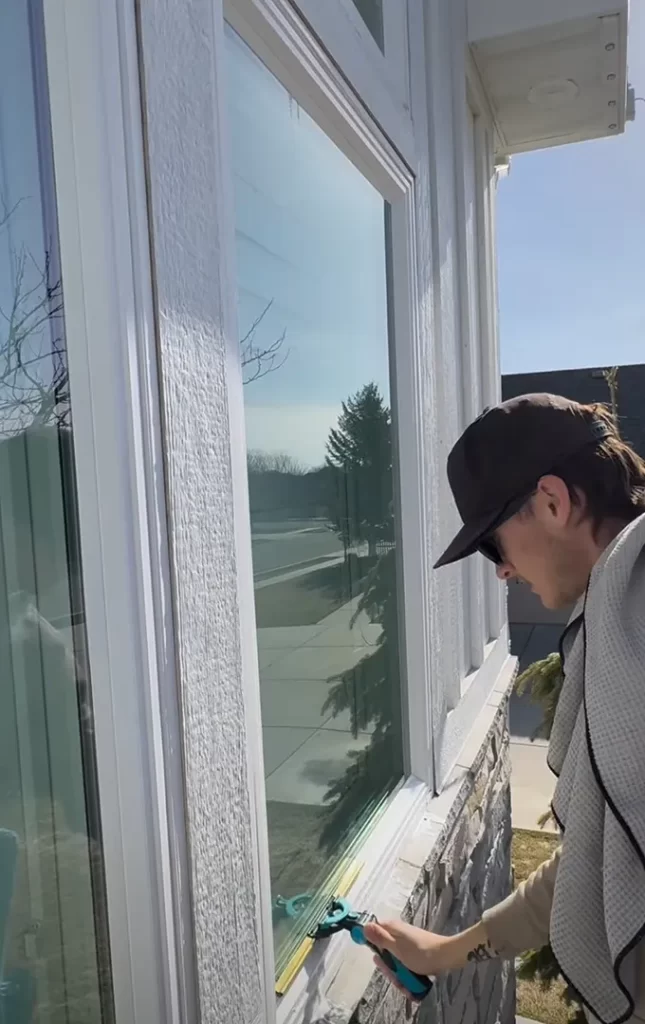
(468, 871)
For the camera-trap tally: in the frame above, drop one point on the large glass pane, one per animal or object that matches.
(372, 14)
(313, 316)
(54, 962)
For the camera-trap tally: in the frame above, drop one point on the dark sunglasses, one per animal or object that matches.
(488, 546)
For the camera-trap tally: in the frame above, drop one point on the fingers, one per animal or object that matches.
(380, 935)
(389, 975)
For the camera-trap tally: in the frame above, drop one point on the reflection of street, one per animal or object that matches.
(280, 547)
(306, 749)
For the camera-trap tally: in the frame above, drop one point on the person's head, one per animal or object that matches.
(543, 485)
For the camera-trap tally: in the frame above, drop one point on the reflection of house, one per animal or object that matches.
(535, 632)
(278, 699)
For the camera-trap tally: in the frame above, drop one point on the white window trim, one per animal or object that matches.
(97, 140)
(276, 32)
(381, 80)
(446, 52)
(471, 355)
(486, 179)
(481, 380)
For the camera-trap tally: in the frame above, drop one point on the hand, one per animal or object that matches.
(427, 953)
(421, 951)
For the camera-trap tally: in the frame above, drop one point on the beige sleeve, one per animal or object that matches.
(522, 921)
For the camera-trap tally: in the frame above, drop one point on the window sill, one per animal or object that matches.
(400, 853)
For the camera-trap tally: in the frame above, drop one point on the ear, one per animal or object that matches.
(553, 500)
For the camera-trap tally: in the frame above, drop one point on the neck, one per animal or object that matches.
(608, 533)
(599, 540)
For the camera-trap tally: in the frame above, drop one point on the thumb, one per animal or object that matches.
(379, 936)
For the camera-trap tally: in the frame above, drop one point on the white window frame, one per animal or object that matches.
(471, 347)
(491, 384)
(92, 70)
(480, 383)
(485, 635)
(380, 78)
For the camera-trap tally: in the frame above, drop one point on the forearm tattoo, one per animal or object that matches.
(480, 954)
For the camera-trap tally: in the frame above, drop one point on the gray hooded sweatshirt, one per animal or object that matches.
(589, 900)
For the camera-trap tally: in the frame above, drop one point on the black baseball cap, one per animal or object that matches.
(499, 459)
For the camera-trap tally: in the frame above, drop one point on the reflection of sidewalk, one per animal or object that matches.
(269, 577)
(532, 784)
(306, 749)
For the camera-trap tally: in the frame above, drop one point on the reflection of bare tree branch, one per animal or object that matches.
(34, 383)
(261, 361)
(5, 212)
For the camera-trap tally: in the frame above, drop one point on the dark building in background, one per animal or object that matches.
(534, 631)
(589, 385)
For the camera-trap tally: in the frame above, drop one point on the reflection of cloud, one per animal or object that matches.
(299, 430)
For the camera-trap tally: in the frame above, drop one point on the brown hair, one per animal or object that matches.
(609, 477)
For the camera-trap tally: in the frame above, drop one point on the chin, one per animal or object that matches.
(553, 602)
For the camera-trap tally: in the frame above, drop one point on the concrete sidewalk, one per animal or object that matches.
(532, 784)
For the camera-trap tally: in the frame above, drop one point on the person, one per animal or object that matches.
(551, 494)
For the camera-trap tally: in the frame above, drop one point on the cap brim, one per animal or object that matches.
(468, 540)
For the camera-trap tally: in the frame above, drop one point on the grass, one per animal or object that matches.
(530, 849)
(541, 1004)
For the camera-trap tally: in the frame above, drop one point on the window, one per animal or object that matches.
(313, 321)
(54, 959)
(371, 12)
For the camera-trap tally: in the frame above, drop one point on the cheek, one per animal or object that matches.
(524, 549)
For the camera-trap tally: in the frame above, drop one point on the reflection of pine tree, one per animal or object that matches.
(371, 693)
(360, 452)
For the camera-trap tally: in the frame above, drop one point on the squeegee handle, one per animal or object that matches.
(416, 985)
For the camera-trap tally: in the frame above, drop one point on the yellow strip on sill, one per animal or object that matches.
(341, 888)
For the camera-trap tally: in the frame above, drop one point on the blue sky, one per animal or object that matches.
(327, 296)
(571, 246)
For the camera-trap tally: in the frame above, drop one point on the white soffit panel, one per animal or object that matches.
(551, 84)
